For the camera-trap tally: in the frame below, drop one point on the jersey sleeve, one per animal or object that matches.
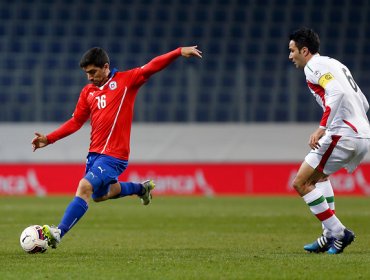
(365, 103)
(79, 117)
(82, 110)
(324, 84)
(156, 64)
(64, 130)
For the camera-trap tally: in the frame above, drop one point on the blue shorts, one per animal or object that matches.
(102, 171)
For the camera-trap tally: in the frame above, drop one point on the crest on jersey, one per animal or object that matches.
(113, 85)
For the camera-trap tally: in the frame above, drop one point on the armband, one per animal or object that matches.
(325, 79)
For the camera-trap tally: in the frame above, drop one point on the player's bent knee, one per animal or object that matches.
(98, 199)
(300, 186)
(101, 198)
(303, 187)
(297, 184)
(84, 189)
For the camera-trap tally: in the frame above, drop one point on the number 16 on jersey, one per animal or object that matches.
(102, 102)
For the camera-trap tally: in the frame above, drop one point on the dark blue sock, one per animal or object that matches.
(129, 188)
(75, 210)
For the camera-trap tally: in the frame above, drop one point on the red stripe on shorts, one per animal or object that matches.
(325, 215)
(350, 125)
(326, 155)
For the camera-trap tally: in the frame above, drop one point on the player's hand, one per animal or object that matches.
(39, 141)
(191, 51)
(315, 137)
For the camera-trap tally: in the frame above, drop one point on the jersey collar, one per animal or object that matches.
(110, 76)
(112, 73)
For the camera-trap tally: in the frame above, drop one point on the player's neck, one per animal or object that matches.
(310, 56)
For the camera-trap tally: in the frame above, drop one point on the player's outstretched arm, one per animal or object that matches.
(69, 127)
(39, 141)
(191, 51)
(160, 62)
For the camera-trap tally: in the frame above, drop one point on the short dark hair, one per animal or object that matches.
(306, 37)
(95, 56)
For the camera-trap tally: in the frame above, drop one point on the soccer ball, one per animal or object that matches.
(33, 240)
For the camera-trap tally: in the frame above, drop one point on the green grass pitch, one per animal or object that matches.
(184, 238)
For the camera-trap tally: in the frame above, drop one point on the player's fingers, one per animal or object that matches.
(310, 142)
(317, 145)
(197, 53)
(195, 48)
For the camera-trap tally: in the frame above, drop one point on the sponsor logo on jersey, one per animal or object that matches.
(317, 74)
(325, 79)
(113, 85)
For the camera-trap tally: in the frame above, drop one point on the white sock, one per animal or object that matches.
(327, 190)
(320, 208)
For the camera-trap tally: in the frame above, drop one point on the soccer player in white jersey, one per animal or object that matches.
(341, 140)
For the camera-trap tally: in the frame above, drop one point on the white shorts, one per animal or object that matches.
(338, 152)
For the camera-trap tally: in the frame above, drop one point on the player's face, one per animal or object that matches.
(297, 56)
(96, 75)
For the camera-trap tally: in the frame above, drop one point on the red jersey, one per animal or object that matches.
(110, 108)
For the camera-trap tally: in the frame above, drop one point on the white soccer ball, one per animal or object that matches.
(33, 240)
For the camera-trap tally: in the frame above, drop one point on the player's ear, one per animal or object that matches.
(106, 69)
(305, 51)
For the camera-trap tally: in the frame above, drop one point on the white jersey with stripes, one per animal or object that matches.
(343, 103)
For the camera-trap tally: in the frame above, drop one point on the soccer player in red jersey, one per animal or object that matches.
(108, 101)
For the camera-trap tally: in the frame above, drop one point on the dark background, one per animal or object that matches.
(245, 75)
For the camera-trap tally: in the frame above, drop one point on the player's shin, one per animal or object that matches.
(320, 208)
(326, 189)
(75, 210)
(130, 188)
